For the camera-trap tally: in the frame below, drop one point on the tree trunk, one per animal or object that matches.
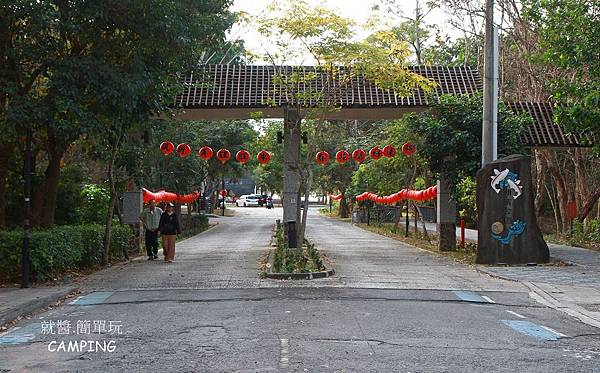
(589, 205)
(111, 203)
(562, 193)
(6, 151)
(51, 189)
(343, 213)
(540, 175)
(582, 195)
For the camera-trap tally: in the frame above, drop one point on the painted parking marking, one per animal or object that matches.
(470, 296)
(490, 300)
(516, 314)
(96, 297)
(18, 335)
(553, 331)
(533, 330)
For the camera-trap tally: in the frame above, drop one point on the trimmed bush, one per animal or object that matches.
(58, 249)
(193, 224)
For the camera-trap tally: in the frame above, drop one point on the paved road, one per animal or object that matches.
(391, 307)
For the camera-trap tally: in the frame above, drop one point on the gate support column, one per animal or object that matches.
(446, 216)
(291, 173)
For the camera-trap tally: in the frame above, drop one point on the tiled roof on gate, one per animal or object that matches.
(544, 132)
(250, 86)
(221, 86)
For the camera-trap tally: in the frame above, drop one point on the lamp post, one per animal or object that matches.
(27, 208)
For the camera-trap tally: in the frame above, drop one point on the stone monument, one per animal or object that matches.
(508, 230)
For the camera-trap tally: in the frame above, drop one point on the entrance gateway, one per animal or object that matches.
(216, 92)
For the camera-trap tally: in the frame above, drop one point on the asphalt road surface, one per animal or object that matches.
(389, 308)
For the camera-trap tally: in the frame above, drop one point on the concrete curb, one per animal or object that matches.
(35, 305)
(301, 276)
(543, 297)
(572, 309)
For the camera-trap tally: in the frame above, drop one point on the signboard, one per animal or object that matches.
(571, 210)
(132, 207)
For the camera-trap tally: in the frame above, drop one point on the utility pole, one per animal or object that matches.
(27, 206)
(489, 146)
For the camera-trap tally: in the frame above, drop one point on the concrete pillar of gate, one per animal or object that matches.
(446, 216)
(291, 173)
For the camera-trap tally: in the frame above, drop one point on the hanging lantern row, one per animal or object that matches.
(163, 196)
(336, 197)
(206, 153)
(413, 195)
(359, 155)
(263, 157)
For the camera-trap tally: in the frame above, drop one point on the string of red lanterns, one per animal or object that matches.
(164, 196)
(413, 195)
(264, 157)
(206, 153)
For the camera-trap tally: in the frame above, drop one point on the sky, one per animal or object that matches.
(358, 10)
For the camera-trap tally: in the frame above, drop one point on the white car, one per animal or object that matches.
(247, 200)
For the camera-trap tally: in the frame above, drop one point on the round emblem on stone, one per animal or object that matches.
(497, 227)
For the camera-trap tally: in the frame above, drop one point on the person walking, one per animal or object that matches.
(169, 229)
(150, 217)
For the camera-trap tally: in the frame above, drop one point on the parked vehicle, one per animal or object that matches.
(248, 200)
(262, 199)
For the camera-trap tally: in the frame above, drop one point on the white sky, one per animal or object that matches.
(358, 10)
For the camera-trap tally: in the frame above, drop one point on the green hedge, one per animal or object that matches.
(58, 249)
(193, 224)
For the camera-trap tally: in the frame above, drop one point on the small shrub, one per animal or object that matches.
(94, 204)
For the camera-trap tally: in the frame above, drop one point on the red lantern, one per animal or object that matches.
(223, 155)
(322, 157)
(389, 151)
(167, 147)
(376, 153)
(242, 156)
(205, 153)
(409, 148)
(224, 193)
(183, 150)
(263, 157)
(342, 156)
(359, 155)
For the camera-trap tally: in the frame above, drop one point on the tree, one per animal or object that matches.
(569, 38)
(97, 68)
(301, 30)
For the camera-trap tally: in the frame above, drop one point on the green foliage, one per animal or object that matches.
(300, 29)
(569, 37)
(450, 135)
(585, 235)
(466, 202)
(94, 204)
(193, 224)
(389, 175)
(69, 198)
(183, 175)
(59, 249)
(295, 261)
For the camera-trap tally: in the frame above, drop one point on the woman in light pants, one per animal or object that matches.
(169, 229)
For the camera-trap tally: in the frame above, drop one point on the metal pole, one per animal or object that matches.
(407, 219)
(223, 188)
(490, 88)
(27, 205)
(462, 233)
